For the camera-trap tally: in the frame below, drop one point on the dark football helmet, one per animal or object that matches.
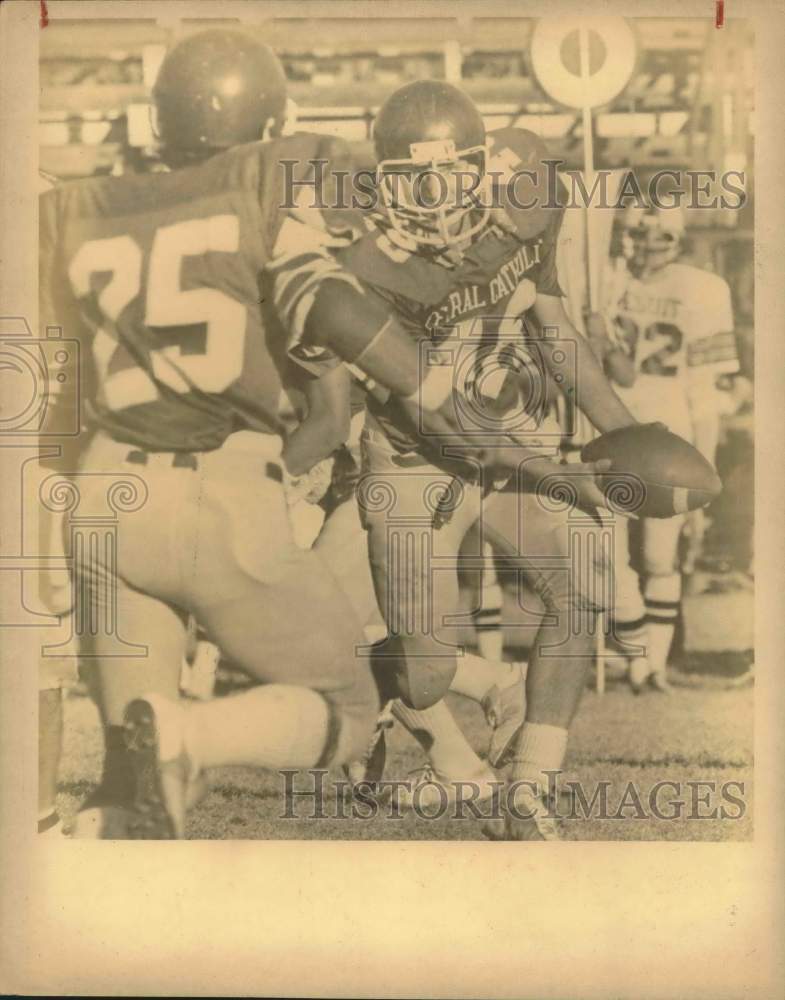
(432, 161)
(216, 89)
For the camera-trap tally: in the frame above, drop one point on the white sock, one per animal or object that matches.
(660, 640)
(441, 738)
(272, 726)
(475, 676)
(541, 748)
(488, 618)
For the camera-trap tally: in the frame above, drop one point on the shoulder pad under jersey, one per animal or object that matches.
(378, 262)
(313, 170)
(524, 183)
(693, 279)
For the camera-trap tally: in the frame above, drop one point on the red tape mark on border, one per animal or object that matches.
(719, 18)
(44, 14)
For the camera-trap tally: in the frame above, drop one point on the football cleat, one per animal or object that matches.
(432, 790)
(164, 771)
(658, 681)
(102, 822)
(505, 711)
(365, 772)
(533, 822)
(639, 673)
(51, 826)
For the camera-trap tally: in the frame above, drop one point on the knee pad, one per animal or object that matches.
(419, 681)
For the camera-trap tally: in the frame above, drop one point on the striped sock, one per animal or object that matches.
(661, 618)
(630, 635)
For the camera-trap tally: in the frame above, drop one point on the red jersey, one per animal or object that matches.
(473, 310)
(162, 272)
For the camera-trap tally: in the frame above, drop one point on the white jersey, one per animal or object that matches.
(677, 325)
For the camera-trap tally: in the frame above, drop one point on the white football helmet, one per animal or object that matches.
(653, 237)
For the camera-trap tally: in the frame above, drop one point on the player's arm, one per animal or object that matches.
(326, 424)
(620, 367)
(324, 307)
(616, 362)
(604, 336)
(358, 326)
(585, 382)
(360, 330)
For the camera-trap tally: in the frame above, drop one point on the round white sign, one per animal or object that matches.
(610, 53)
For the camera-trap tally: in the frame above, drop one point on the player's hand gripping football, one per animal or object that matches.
(580, 483)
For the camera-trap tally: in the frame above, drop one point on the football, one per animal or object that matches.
(654, 473)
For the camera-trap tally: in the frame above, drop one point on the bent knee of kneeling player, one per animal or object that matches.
(409, 670)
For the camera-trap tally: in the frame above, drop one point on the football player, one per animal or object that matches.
(460, 275)
(164, 272)
(666, 338)
(328, 411)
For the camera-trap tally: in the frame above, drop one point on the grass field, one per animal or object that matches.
(697, 734)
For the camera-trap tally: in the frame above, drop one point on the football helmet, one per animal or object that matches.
(652, 237)
(216, 89)
(432, 158)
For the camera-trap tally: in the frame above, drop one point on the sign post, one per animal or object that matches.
(585, 63)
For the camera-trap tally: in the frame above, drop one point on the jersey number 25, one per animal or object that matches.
(166, 305)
